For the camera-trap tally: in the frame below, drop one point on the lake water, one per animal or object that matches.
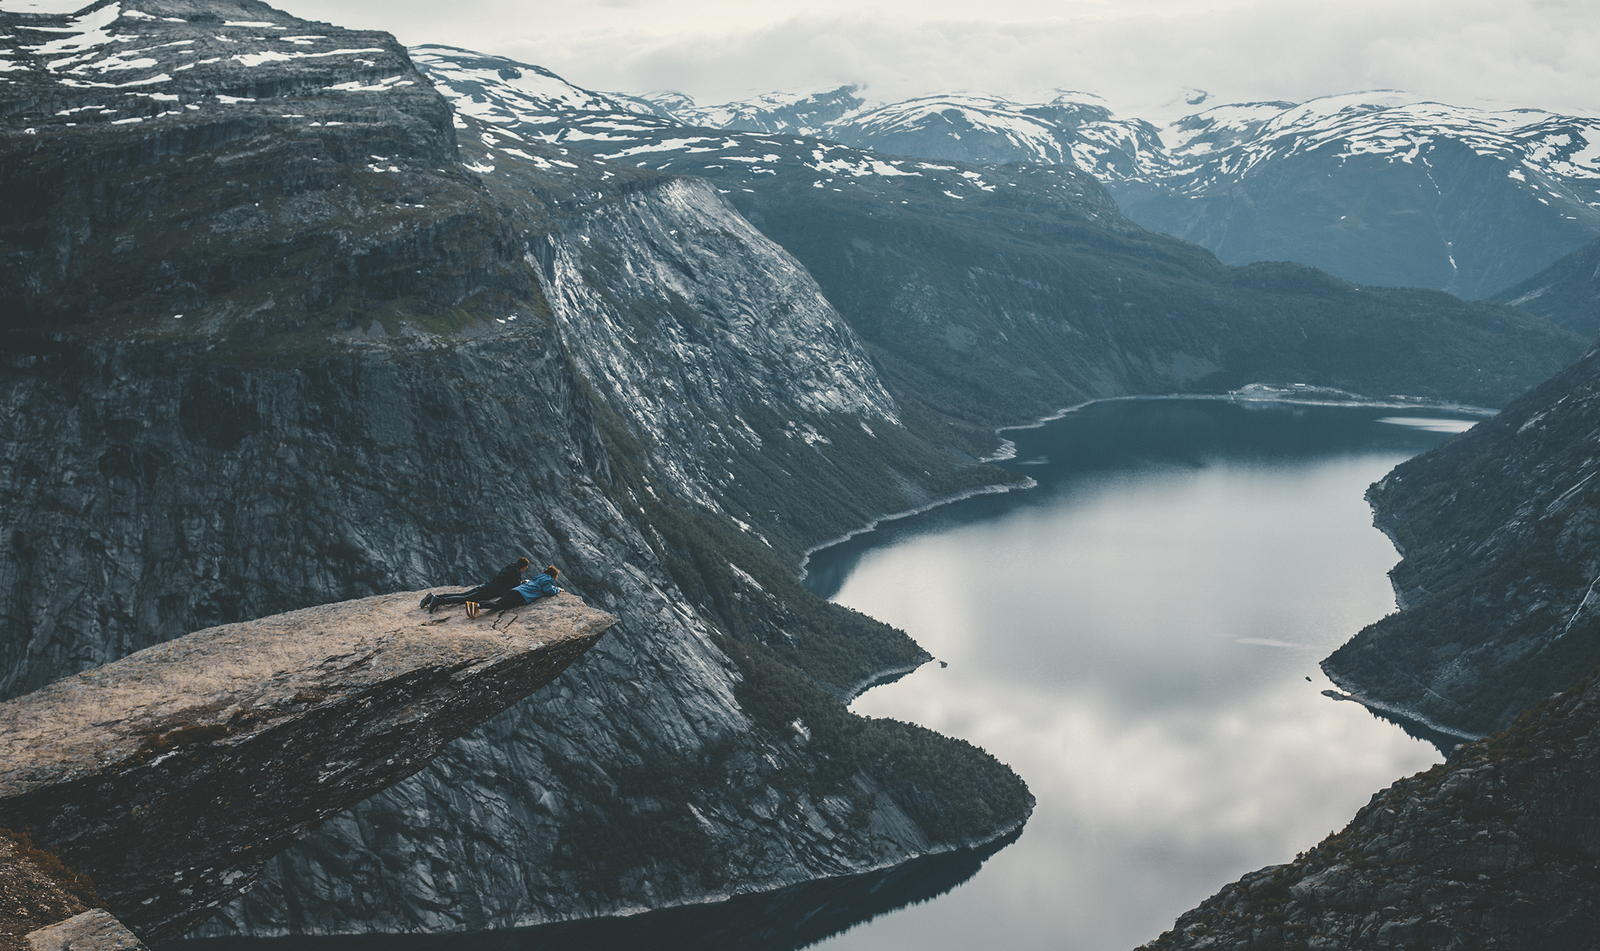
(1138, 637)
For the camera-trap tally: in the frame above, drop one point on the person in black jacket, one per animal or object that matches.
(543, 586)
(507, 579)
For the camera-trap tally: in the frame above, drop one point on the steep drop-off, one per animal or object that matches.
(171, 776)
(1497, 584)
(343, 368)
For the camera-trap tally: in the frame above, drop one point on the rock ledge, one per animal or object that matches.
(171, 776)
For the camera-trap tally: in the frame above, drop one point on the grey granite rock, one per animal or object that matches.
(172, 775)
(284, 340)
(1497, 586)
(94, 930)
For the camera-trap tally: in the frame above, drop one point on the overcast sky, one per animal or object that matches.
(1137, 53)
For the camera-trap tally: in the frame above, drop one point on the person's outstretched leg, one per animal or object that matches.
(445, 600)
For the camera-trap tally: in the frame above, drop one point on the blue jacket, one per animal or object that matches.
(535, 588)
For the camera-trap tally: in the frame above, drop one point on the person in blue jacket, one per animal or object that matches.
(540, 586)
(494, 588)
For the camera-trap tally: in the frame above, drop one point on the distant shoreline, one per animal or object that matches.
(1252, 393)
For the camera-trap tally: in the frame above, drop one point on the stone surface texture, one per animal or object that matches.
(93, 930)
(172, 775)
(1500, 604)
(31, 897)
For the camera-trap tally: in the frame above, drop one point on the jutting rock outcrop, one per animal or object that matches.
(1496, 849)
(171, 776)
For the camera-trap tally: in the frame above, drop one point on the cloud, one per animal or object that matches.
(1137, 52)
(1527, 53)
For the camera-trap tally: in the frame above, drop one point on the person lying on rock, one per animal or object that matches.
(542, 586)
(503, 582)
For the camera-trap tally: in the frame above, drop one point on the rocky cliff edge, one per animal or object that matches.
(171, 776)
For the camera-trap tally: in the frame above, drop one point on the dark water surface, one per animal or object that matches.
(1135, 638)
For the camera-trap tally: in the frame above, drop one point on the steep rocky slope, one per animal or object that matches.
(987, 293)
(1377, 187)
(274, 339)
(1495, 849)
(1497, 585)
(171, 776)
(1566, 293)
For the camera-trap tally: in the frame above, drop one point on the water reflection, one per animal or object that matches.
(1139, 639)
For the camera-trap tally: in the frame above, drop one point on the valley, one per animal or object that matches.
(291, 314)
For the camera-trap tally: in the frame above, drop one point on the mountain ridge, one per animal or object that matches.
(926, 258)
(1281, 180)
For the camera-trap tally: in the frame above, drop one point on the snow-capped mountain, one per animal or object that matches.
(926, 258)
(797, 114)
(1073, 128)
(532, 102)
(1377, 187)
(244, 256)
(1380, 188)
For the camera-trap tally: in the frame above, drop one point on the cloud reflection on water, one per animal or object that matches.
(1136, 646)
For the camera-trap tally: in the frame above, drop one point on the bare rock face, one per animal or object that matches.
(171, 776)
(93, 930)
(280, 331)
(1498, 586)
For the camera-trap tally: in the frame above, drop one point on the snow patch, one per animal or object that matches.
(89, 32)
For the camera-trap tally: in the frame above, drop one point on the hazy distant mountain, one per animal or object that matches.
(1567, 292)
(1380, 187)
(1074, 128)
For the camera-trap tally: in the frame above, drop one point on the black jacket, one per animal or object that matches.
(509, 577)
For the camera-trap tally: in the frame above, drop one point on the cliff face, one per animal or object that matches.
(363, 361)
(1497, 584)
(1495, 849)
(172, 775)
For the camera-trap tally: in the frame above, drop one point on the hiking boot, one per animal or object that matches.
(472, 609)
(427, 600)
